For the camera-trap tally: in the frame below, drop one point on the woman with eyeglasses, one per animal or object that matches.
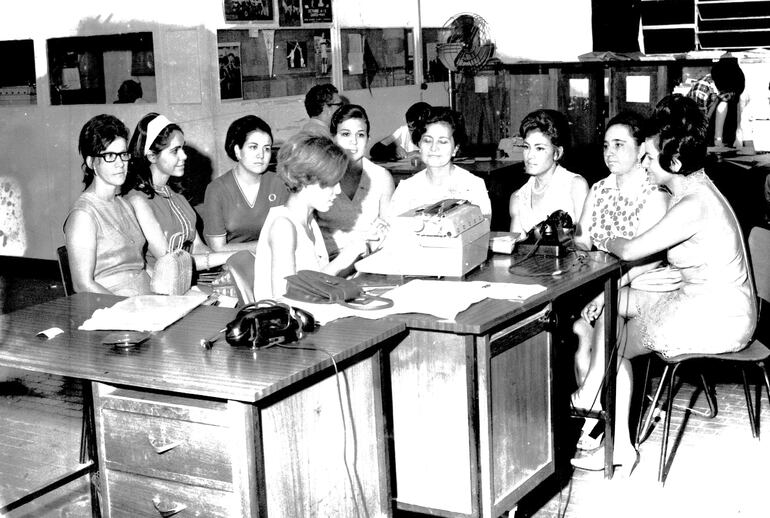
(104, 240)
(166, 217)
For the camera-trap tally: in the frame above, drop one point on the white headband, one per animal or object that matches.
(154, 128)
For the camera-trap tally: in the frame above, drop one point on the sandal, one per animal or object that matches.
(588, 442)
(595, 462)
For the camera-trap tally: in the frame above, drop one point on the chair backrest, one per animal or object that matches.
(759, 247)
(241, 266)
(64, 270)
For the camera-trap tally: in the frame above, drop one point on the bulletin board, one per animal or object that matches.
(279, 62)
(373, 58)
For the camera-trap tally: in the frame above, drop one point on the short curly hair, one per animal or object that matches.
(551, 123)
(442, 114)
(307, 159)
(239, 131)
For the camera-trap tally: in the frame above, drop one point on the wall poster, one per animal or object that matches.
(248, 10)
(289, 13)
(316, 11)
(230, 86)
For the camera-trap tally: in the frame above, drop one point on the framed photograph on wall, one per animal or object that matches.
(249, 10)
(230, 78)
(317, 11)
(289, 14)
(296, 54)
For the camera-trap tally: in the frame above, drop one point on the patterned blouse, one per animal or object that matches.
(616, 211)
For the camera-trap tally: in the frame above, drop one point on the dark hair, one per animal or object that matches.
(129, 91)
(96, 136)
(346, 112)
(417, 112)
(551, 123)
(317, 98)
(306, 159)
(139, 174)
(728, 76)
(239, 131)
(439, 114)
(631, 120)
(679, 128)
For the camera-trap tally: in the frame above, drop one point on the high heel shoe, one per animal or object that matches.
(590, 438)
(595, 462)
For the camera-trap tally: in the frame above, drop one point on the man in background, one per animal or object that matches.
(720, 95)
(321, 102)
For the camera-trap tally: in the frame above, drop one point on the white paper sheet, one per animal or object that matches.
(443, 299)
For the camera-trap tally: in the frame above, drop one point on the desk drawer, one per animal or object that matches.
(136, 497)
(164, 448)
(187, 440)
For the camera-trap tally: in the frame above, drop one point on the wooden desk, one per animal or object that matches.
(472, 398)
(225, 432)
(502, 178)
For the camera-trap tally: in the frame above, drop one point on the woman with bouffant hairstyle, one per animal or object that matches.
(291, 240)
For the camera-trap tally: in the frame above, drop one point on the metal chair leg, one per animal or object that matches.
(662, 471)
(710, 398)
(749, 402)
(654, 405)
(639, 437)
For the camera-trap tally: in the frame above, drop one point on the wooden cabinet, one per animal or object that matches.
(472, 417)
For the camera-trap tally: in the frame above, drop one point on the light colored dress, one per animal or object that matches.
(712, 312)
(616, 211)
(119, 263)
(309, 254)
(354, 217)
(417, 190)
(558, 196)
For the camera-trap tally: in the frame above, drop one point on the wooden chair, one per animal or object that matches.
(64, 270)
(241, 266)
(755, 353)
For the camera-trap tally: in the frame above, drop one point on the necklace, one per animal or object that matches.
(541, 190)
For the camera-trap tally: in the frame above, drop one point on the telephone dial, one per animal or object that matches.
(267, 322)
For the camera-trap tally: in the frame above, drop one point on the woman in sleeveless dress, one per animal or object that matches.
(712, 311)
(104, 240)
(311, 167)
(550, 186)
(166, 217)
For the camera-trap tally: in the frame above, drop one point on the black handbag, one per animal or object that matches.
(322, 288)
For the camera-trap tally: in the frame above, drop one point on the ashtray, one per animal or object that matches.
(125, 339)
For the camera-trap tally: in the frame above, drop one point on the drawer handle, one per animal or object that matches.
(167, 511)
(162, 448)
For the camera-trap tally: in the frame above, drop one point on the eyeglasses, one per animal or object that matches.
(111, 156)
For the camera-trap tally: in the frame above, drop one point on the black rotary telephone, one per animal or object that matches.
(268, 323)
(549, 237)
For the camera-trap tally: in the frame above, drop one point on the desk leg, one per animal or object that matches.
(611, 367)
(88, 449)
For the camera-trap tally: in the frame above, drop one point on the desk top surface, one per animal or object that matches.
(478, 167)
(173, 360)
(483, 316)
